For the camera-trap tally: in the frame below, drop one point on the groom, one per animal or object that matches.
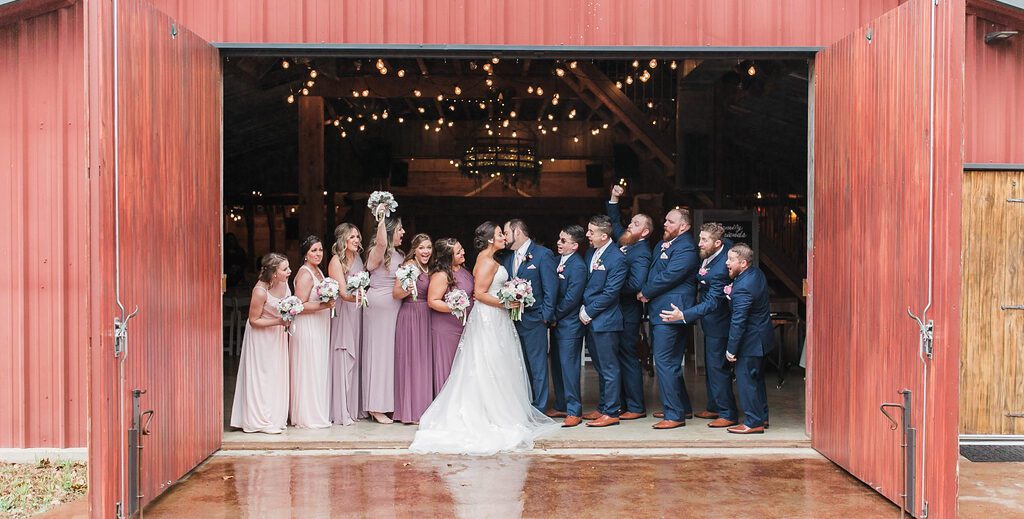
(536, 264)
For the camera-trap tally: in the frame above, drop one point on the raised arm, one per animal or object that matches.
(376, 255)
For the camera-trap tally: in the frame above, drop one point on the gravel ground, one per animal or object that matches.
(29, 489)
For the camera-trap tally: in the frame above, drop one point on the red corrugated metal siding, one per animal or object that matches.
(869, 259)
(170, 174)
(44, 263)
(527, 22)
(994, 102)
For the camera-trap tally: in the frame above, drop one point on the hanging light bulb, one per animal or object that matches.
(572, 64)
(440, 97)
(366, 93)
(529, 89)
(451, 123)
(514, 134)
(384, 114)
(349, 118)
(646, 76)
(438, 129)
(458, 90)
(650, 104)
(401, 120)
(512, 114)
(618, 84)
(337, 122)
(604, 126)
(401, 72)
(575, 139)
(560, 72)
(554, 128)
(653, 63)
(551, 117)
(751, 71)
(483, 106)
(572, 113)
(312, 73)
(636, 64)
(629, 80)
(421, 109)
(554, 101)
(495, 60)
(490, 132)
(426, 126)
(305, 91)
(374, 117)
(440, 120)
(380, 63)
(417, 93)
(344, 134)
(383, 71)
(489, 81)
(291, 98)
(355, 93)
(362, 127)
(310, 83)
(504, 124)
(540, 91)
(673, 65)
(487, 126)
(487, 68)
(451, 108)
(285, 64)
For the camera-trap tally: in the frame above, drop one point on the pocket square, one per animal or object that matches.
(664, 255)
(532, 267)
(599, 267)
(561, 276)
(703, 282)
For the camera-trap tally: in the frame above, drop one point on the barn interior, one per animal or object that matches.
(308, 138)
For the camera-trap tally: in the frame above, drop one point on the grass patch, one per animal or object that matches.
(28, 489)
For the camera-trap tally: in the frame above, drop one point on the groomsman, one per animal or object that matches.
(633, 243)
(713, 313)
(750, 336)
(567, 332)
(602, 315)
(536, 264)
(672, 279)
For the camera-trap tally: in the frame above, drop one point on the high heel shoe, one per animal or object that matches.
(380, 417)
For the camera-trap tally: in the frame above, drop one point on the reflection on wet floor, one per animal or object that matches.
(536, 485)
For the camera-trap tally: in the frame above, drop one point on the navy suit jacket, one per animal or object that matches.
(539, 268)
(750, 333)
(571, 282)
(638, 262)
(712, 309)
(604, 284)
(672, 278)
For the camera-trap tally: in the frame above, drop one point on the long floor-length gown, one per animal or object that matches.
(445, 332)
(261, 391)
(485, 407)
(346, 331)
(310, 403)
(379, 320)
(413, 376)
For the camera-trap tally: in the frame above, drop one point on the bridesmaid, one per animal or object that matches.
(446, 272)
(346, 327)
(379, 319)
(310, 344)
(261, 391)
(414, 384)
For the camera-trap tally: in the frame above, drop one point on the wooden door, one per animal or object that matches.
(992, 330)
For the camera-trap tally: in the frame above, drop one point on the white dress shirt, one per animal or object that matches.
(520, 256)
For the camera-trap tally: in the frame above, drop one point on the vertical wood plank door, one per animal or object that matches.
(992, 329)
(875, 144)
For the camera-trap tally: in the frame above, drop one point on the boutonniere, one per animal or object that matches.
(703, 271)
(728, 290)
(529, 257)
(623, 249)
(665, 245)
(561, 268)
(599, 263)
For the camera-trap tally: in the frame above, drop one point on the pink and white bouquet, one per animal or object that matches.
(458, 300)
(517, 290)
(407, 275)
(382, 203)
(358, 284)
(328, 290)
(289, 307)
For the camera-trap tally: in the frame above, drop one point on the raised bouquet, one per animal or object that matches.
(289, 307)
(357, 285)
(328, 290)
(458, 300)
(407, 277)
(517, 290)
(382, 203)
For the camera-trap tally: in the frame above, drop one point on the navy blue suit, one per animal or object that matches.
(538, 267)
(638, 263)
(672, 279)
(601, 303)
(712, 311)
(567, 336)
(751, 337)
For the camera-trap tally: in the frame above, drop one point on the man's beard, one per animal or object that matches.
(628, 238)
(669, 236)
(707, 254)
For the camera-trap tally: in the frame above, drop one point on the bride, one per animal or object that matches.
(484, 407)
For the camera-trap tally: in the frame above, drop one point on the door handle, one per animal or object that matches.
(1017, 307)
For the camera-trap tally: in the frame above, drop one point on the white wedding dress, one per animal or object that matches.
(484, 407)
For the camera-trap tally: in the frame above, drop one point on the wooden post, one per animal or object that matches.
(311, 166)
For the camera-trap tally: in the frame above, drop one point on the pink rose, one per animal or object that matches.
(727, 289)
(703, 271)
(561, 268)
(665, 245)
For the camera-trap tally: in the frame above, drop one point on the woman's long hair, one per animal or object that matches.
(341, 235)
(269, 265)
(483, 235)
(444, 255)
(414, 244)
(390, 224)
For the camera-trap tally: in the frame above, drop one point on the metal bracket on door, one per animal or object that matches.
(1015, 200)
(140, 427)
(927, 331)
(1005, 307)
(909, 446)
(121, 331)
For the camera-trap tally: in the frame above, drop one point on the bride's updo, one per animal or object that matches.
(484, 235)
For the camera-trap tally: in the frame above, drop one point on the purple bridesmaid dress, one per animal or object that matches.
(445, 332)
(414, 380)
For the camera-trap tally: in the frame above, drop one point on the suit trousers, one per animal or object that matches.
(632, 373)
(669, 346)
(719, 378)
(565, 373)
(753, 395)
(604, 347)
(534, 339)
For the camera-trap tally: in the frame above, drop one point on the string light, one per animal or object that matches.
(673, 65)
(495, 60)
(554, 128)
(645, 76)
(458, 91)
(344, 134)
(572, 113)
(417, 93)
(650, 104)
(487, 68)
(355, 93)
(401, 72)
(291, 98)
(629, 80)
(575, 139)
(366, 93)
(653, 63)
(636, 64)
(384, 115)
(310, 83)
(383, 71)
(305, 91)
(560, 72)
(490, 82)
(440, 97)
(421, 109)
(401, 120)
(285, 64)
(540, 91)
(483, 106)
(512, 114)
(337, 122)
(572, 64)
(751, 71)
(362, 127)
(312, 73)
(618, 84)
(551, 117)
(604, 126)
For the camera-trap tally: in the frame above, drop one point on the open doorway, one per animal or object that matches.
(724, 136)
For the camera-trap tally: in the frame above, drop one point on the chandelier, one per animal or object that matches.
(512, 160)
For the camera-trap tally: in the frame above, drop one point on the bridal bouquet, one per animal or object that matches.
(357, 284)
(517, 290)
(289, 307)
(458, 301)
(379, 198)
(407, 277)
(328, 290)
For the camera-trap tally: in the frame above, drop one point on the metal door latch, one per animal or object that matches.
(927, 331)
(1011, 307)
(121, 331)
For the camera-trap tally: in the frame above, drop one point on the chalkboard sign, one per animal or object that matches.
(740, 226)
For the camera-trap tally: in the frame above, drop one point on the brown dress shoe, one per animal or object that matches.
(766, 424)
(743, 429)
(721, 422)
(553, 413)
(632, 416)
(593, 415)
(667, 424)
(707, 415)
(604, 421)
(660, 414)
(571, 421)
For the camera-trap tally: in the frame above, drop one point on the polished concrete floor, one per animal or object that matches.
(786, 406)
(800, 484)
